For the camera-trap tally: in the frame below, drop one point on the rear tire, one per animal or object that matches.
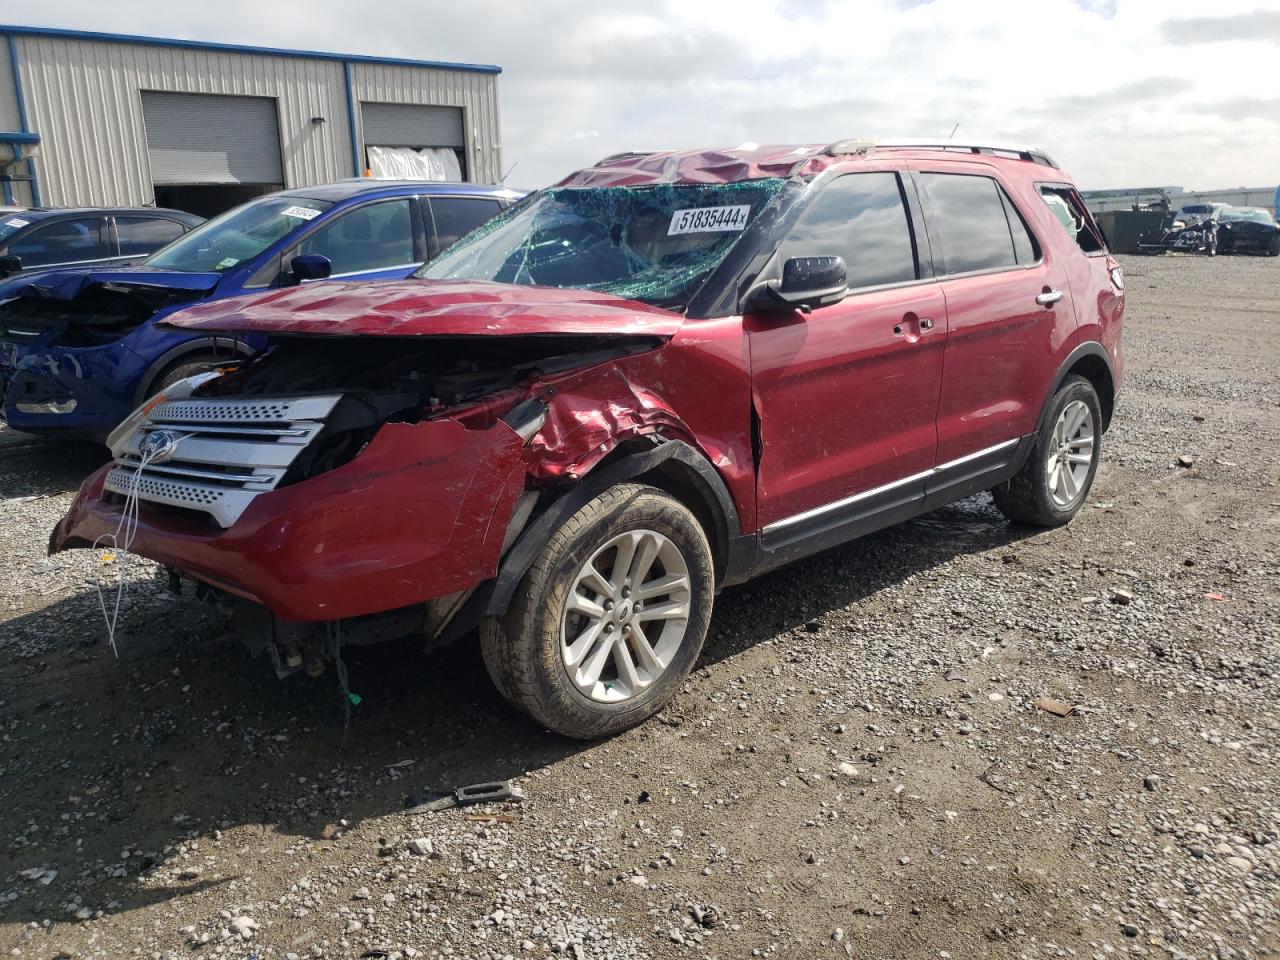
(577, 651)
(1054, 482)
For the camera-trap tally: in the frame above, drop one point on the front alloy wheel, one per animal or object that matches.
(627, 614)
(609, 619)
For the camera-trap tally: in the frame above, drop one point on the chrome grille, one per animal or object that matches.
(227, 451)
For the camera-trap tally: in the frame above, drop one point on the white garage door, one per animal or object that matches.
(411, 125)
(198, 138)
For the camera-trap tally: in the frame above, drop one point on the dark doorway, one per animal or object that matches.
(209, 199)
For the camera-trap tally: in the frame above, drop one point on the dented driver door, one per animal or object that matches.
(847, 395)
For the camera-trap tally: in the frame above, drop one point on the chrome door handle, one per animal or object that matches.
(1049, 298)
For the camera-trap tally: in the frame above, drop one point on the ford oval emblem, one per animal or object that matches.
(159, 446)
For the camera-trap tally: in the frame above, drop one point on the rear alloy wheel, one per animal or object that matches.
(1052, 485)
(609, 619)
(1070, 458)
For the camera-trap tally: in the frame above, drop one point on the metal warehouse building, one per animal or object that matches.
(93, 119)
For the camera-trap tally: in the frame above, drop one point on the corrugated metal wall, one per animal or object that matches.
(9, 120)
(8, 97)
(84, 99)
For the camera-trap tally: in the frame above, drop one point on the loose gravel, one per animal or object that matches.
(857, 768)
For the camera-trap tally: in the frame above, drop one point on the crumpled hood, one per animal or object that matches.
(428, 308)
(66, 284)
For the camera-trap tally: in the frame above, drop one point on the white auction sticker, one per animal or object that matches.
(301, 213)
(16, 222)
(709, 219)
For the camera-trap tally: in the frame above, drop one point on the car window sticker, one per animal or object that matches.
(709, 219)
(300, 213)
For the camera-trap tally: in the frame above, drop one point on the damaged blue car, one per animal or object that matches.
(81, 348)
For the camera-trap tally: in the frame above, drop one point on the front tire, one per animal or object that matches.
(1052, 485)
(182, 368)
(609, 619)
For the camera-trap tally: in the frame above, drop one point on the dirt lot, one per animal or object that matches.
(855, 769)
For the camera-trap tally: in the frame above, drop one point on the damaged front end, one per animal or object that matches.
(62, 360)
(357, 489)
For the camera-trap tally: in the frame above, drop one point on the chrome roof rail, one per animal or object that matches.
(1020, 151)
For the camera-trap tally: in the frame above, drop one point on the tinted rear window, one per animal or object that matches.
(139, 236)
(455, 217)
(968, 222)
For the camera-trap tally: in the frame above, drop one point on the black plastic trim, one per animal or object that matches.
(1090, 349)
(973, 476)
(519, 558)
(834, 527)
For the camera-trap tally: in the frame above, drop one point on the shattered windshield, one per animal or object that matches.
(655, 244)
(238, 235)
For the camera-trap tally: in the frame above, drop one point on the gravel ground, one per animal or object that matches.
(857, 768)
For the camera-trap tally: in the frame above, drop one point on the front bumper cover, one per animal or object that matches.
(419, 514)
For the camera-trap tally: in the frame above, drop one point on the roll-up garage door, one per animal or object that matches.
(198, 138)
(411, 125)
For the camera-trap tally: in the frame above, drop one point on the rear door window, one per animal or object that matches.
(861, 217)
(974, 224)
(375, 236)
(66, 241)
(139, 236)
(456, 216)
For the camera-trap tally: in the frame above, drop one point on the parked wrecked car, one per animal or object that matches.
(1191, 229)
(80, 348)
(670, 373)
(42, 238)
(1248, 230)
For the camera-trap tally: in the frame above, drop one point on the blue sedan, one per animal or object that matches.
(81, 348)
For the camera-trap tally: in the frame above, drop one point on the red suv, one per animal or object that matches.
(669, 373)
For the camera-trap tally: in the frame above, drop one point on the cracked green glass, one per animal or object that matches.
(616, 240)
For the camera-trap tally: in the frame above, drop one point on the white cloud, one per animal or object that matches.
(1134, 92)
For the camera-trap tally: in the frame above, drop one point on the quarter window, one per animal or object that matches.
(975, 224)
(861, 217)
(376, 236)
(1069, 210)
(67, 241)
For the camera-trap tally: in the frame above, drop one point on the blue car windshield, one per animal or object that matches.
(227, 241)
(655, 243)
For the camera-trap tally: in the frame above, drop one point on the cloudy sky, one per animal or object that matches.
(1120, 92)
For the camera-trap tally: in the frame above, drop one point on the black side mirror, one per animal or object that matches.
(807, 283)
(310, 266)
(10, 266)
